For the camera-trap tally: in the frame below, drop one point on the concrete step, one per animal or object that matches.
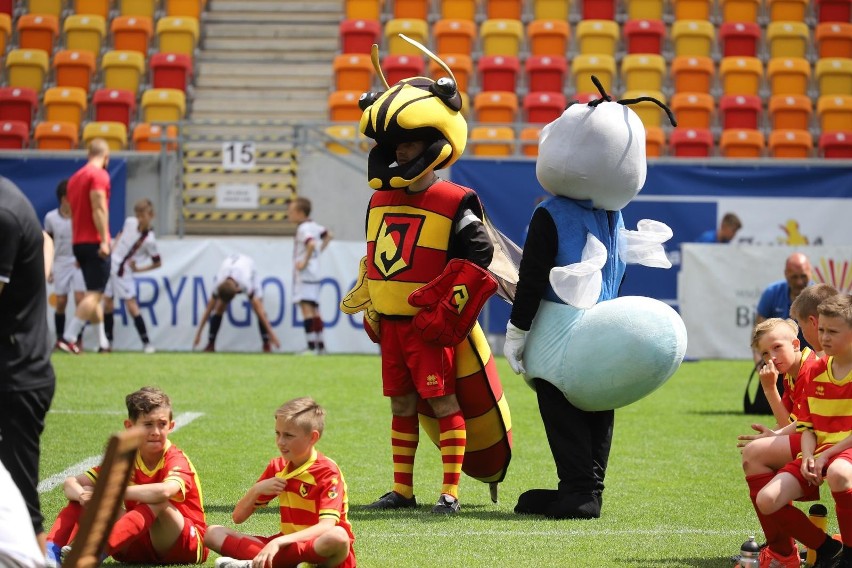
(295, 70)
(273, 82)
(259, 114)
(275, 6)
(252, 56)
(279, 30)
(321, 48)
(270, 95)
(268, 18)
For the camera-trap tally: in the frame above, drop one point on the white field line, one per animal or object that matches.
(69, 411)
(78, 468)
(391, 535)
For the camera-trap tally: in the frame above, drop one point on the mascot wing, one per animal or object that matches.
(579, 284)
(645, 245)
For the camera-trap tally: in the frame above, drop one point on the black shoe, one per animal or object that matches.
(535, 501)
(393, 500)
(446, 505)
(574, 506)
(829, 554)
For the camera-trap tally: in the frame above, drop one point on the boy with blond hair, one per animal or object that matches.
(312, 497)
(164, 519)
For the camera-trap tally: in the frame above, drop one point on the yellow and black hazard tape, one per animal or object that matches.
(233, 216)
(291, 169)
(290, 186)
(200, 200)
(292, 155)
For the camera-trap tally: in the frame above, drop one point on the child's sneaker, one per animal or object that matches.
(68, 347)
(446, 505)
(393, 500)
(52, 555)
(829, 554)
(148, 349)
(228, 562)
(770, 559)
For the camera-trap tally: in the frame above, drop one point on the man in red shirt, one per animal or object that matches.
(88, 195)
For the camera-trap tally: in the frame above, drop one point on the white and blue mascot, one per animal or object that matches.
(584, 350)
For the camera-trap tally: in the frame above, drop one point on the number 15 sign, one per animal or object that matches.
(238, 155)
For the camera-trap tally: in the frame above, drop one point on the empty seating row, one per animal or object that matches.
(103, 8)
(15, 135)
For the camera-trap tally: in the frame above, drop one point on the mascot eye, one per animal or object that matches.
(367, 99)
(444, 88)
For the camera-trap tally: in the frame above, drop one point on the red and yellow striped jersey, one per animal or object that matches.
(826, 408)
(794, 386)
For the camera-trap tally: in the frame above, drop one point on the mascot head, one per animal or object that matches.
(595, 151)
(415, 109)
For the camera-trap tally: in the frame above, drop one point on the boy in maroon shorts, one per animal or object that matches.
(164, 519)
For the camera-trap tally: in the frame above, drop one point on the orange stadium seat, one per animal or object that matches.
(644, 36)
(37, 31)
(343, 106)
(836, 144)
(14, 135)
(458, 9)
(358, 36)
(18, 104)
(122, 70)
(528, 140)
(788, 75)
(84, 33)
(597, 37)
(492, 141)
(693, 110)
(114, 105)
(146, 8)
(171, 71)
(5, 31)
(93, 7)
(598, 9)
(184, 8)
(65, 104)
(546, 73)
(501, 37)
(131, 33)
(741, 75)
(26, 68)
(417, 9)
(146, 137)
(693, 37)
(461, 66)
(417, 30)
(584, 66)
(691, 142)
(834, 10)
(363, 9)
(692, 9)
(177, 34)
(643, 72)
(788, 39)
(503, 9)
(644, 9)
(352, 72)
(655, 142)
(741, 143)
(163, 105)
(740, 111)
(834, 76)
(649, 113)
(740, 10)
(551, 9)
(496, 106)
(548, 37)
(787, 10)
(454, 36)
(541, 108)
(835, 113)
(52, 7)
(399, 67)
(56, 136)
(115, 134)
(790, 112)
(739, 39)
(74, 69)
(790, 144)
(692, 74)
(834, 39)
(498, 72)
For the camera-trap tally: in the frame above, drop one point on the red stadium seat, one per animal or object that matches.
(836, 145)
(18, 104)
(14, 135)
(114, 105)
(7, 7)
(541, 108)
(358, 36)
(691, 142)
(834, 10)
(399, 67)
(598, 9)
(644, 36)
(740, 111)
(739, 38)
(546, 73)
(498, 72)
(171, 71)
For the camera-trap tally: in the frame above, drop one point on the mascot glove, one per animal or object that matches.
(513, 348)
(358, 299)
(645, 246)
(580, 284)
(451, 302)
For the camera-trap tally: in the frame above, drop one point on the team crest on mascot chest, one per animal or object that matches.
(395, 243)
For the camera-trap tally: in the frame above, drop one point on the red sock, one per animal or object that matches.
(843, 507)
(453, 439)
(292, 556)
(240, 547)
(405, 433)
(797, 525)
(65, 526)
(776, 539)
(130, 526)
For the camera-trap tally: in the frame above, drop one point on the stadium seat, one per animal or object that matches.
(644, 9)
(501, 37)
(741, 75)
(5, 31)
(163, 105)
(84, 33)
(691, 142)
(692, 9)
(352, 72)
(26, 68)
(741, 143)
(584, 66)
(461, 66)
(466, 106)
(416, 9)
(692, 74)
(131, 33)
(115, 134)
(114, 105)
(496, 106)
(655, 142)
(650, 113)
(7, 7)
(551, 9)
(52, 7)
(597, 37)
(145, 8)
(693, 37)
(123, 70)
(503, 9)
(145, 137)
(363, 9)
(836, 144)
(546, 73)
(788, 75)
(65, 104)
(37, 31)
(358, 36)
(93, 7)
(417, 30)
(171, 71)
(548, 37)
(643, 72)
(644, 36)
(584, 98)
(834, 10)
(739, 39)
(740, 10)
(541, 108)
(787, 10)
(458, 9)
(788, 39)
(790, 112)
(14, 135)
(399, 67)
(454, 36)
(528, 140)
(835, 113)
(498, 72)
(598, 9)
(56, 136)
(693, 110)
(790, 144)
(491, 141)
(74, 69)
(18, 104)
(342, 138)
(343, 106)
(740, 111)
(834, 76)
(834, 39)
(184, 8)
(177, 35)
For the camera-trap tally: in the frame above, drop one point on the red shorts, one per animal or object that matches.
(188, 549)
(411, 364)
(303, 550)
(795, 444)
(811, 492)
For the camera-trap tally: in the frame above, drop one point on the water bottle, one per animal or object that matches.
(749, 554)
(818, 516)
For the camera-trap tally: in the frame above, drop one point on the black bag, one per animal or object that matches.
(759, 405)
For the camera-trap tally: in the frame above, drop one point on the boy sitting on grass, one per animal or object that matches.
(311, 494)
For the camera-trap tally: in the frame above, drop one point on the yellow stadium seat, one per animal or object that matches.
(835, 113)
(56, 136)
(834, 39)
(791, 144)
(529, 140)
(123, 70)
(492, 141)
(5, 31)
(741, 143)
(461, 65)
(363, 9)
(788, 75)
(692, 9)
(788, 39)
(52, 7)
(146, 8)
(84, 33)
(343, 106)
(146, 137)
(415, 29)
(501, 37)
(551, 10)
(353, 72)
(643, 72)
(132, 33)
(790, 112)
(93, 7)
(650, 113)
(834, 76)
(454, 36)
(115, 134)
(177, 34)
(163, 105)
(548, 37)
(787, 10)
(693, 110)
(342, 138)
(692, 74)
(693, 37)
(496, 106)
(184, 8)
(584, 66)
(26, 68)
(458, 9)
(37, 31)
(65, 104)
(644, 9)
(597, 37)
(740, 10)
(655, 141)
(741, 75)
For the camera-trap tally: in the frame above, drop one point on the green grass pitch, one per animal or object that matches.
(675, 493)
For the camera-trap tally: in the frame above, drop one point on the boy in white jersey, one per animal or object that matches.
(134, 244)
(236, 274)
(66, 276)
(311, 239)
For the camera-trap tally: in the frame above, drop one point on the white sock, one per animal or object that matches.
(102, 338)
(72, 330)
